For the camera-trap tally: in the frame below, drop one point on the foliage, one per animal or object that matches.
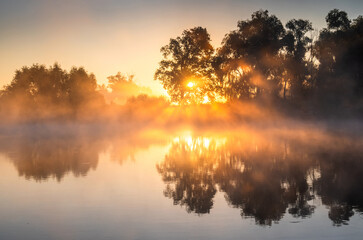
(187, 60)
(122, 88)
(296, 43)
(246, 64)
(339, 50)
(37, 91)
(262, 59)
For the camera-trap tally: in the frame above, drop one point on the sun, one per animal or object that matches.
(190, 84)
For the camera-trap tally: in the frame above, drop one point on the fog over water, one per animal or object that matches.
(260, 137)
(184, 179)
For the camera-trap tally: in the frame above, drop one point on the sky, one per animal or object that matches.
(109, 36)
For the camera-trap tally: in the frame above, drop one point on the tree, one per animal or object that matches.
(186, 70)
(339, 50)
(81, 87)
(123, 87)
(248, 60)
(337, 20)
(38, 91)
(37, 84)
(296, 65)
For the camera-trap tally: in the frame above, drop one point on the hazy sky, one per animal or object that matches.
(108, 36)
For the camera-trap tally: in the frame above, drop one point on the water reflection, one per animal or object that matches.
(188, 172)
(340, 185)
(54, 155)
(265, 178)
(265, 175)
(40, 158)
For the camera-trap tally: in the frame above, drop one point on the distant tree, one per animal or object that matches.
(82, 87)
(144, 108)
(38, 90)
(116, 82)
(186, 70)
(123, 87)
(37, 83)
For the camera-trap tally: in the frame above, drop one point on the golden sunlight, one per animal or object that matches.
(206, 99)
(180, 119)
(191, 84)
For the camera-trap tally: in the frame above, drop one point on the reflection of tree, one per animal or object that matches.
(264, 180)
(340, 185)
(340, 214)
(53, 152)
(41, 158)
(253, 186)
(41, 153)
(299, 192)
(187, 170)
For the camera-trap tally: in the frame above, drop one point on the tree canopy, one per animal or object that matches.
(186, 69)
(262, 60)
(38, 90)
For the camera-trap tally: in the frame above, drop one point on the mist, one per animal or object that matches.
(263, 74)
(257, 136)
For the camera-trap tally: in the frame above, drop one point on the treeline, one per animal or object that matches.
(40, 93)
(268, 62)
(288, 68)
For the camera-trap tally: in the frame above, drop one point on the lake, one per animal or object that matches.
(290, 182)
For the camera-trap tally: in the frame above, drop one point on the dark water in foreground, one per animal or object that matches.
(246, 184)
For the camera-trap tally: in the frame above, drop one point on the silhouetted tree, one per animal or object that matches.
(247, 63)
(187, 60)
(339, 49)
(337, 20)
(296, 65)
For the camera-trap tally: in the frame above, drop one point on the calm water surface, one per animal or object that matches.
(265, 184)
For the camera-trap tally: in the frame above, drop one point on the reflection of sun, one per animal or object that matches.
(190, 84)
